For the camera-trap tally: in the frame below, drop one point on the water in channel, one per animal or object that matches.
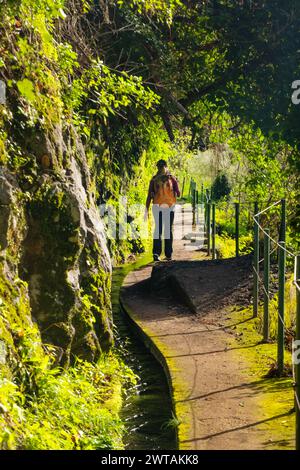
(147, 408)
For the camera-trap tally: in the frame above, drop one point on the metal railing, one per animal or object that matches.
(283, 253)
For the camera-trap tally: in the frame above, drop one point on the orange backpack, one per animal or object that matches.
(163, 190)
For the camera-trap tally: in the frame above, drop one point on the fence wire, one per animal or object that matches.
(295, 280)
(276, 247)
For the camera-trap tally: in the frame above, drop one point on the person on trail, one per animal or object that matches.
(163, 190)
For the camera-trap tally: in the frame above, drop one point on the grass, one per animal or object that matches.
(275, 397)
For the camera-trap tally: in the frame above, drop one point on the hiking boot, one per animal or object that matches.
(168, 258)
(156, 257)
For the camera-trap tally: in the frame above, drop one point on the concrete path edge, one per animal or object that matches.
(178, 392)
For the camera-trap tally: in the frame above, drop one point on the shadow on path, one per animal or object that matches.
(239, 428)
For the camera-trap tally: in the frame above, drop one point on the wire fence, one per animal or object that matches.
(280, 246)
(270, 246)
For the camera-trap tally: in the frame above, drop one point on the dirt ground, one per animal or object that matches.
(184, 308)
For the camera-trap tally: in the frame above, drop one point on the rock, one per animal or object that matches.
(55, 241)
(11, 214)
(6, 189)
(4, 223)
(190, 281)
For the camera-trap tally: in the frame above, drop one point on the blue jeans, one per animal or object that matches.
(164, 220)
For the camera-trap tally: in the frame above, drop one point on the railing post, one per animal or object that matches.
(282, 234)
(237, 229)
(296, 362)
(208, 229)
(182, 188)
(202, 197)
(266, 284)
(281, 290)
(281, 298)
(213, 233)
(256, 262)
(190, 188)
(207, 195)
(194, 206)
(197, 206)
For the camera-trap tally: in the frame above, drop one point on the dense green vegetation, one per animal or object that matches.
(206, 85)
(132, 75)
(44, 406)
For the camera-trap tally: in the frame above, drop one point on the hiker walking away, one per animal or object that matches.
(163, 190)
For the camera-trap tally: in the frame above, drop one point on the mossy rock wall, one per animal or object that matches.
(52, 237)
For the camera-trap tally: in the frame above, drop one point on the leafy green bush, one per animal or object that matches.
(225, 220)
(221, 187)
(226, 245)
(69, 409)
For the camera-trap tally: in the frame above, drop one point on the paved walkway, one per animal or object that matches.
(214, 400)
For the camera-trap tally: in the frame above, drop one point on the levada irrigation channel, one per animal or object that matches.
(147, 408)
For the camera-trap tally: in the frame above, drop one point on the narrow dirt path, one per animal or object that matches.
(215, 400)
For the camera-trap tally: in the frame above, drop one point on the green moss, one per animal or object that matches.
(51, 207)
(275, 395)
(95, 309)
(14, 320)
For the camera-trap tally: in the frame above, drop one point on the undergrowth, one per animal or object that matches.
(44, 406)
(225, 245)
(77, 408)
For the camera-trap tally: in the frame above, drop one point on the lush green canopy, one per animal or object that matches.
(210, 71)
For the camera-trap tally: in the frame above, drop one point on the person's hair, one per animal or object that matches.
(161, 164)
